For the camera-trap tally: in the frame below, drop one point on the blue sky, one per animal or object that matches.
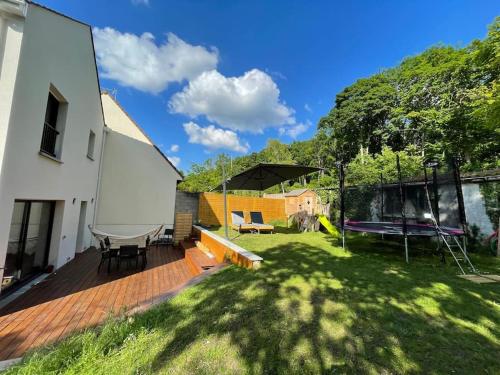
(225, 76)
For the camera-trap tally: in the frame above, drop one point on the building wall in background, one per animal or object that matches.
(138, 185)
(187, 202)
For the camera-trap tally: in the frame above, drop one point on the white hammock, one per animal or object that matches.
(116, 239)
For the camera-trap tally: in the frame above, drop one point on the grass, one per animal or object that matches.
(311, 308)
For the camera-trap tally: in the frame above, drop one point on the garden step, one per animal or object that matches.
(198, 262)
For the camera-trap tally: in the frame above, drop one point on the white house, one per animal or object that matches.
(51, 125)
(138, 183)
(52, 132)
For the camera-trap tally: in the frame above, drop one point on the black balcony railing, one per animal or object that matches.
(49, 139)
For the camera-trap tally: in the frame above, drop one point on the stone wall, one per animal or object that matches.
(187, 202)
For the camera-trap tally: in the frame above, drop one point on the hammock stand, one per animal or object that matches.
(117, 240)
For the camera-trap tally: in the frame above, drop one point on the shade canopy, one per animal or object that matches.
(264, 175)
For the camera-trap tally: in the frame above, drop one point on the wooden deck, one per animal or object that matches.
(76, 297)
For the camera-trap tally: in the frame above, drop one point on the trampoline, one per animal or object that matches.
(407, 207)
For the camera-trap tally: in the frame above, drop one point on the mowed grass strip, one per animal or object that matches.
(311, 308)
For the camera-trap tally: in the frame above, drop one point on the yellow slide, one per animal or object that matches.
(329, 227)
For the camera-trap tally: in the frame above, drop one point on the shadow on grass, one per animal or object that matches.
(314, 312)
(321, 310)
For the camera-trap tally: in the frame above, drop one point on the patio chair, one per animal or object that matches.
(238, 222)
(107, 242)
(167, 238)
(128, 252)
(143, 252)
(258, 222)
(106, 254)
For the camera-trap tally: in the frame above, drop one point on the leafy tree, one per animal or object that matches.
(366, 169)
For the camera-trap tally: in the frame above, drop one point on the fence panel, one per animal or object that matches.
(211, 208)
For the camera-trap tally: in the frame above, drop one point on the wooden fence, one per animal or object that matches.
(183, 224)
(211, 208)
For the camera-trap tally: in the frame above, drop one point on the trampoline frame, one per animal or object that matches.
(434, 230)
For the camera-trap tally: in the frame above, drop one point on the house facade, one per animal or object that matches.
(137, 183)
(52, 137)
(51, 126)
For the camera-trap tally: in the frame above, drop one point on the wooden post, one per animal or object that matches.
(224, 192)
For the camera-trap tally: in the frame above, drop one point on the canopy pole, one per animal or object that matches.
(402, 197)
(342, 204)
(224, 192)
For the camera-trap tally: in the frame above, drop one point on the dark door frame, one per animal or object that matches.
(23, 237)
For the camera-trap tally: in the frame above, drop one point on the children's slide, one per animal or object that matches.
(328, 226)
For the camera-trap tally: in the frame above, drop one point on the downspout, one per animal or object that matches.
(105, 130)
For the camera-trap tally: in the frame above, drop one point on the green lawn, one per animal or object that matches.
(311, 308)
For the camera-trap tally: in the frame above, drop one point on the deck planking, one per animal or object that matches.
(77, 297)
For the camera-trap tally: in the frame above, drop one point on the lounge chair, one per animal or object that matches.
(258, 222)
(238, 222)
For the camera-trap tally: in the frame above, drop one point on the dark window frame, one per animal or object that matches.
(50, 132)
(91, 145)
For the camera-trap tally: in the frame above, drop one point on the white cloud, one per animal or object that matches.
(140, 2)
(295, 130)
(214, 138)
(174, 148)
(250, 102)
(307, 107)
(137, 61)
(175, 160)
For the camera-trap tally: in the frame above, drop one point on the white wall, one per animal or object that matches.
(475, 208)
(54, 51)
(11, 35)
(138, 185)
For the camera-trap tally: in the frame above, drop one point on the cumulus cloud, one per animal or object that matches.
(140, 2)
(307, 107)
(214, 138)
(295, 130)
(174, 148)
(139, 62)
(250, 102)
(175, 160)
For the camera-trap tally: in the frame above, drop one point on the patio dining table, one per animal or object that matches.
(116, 243)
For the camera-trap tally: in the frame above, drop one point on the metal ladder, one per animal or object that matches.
(462, 253)
(458, 256)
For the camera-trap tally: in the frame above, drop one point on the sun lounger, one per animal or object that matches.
(258, 222)
(238, 222)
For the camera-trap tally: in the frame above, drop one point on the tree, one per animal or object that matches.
(444, 101)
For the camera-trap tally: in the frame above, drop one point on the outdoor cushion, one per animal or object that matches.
(258, 221)
(237, 217)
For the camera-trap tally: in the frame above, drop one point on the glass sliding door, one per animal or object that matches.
(29, 241)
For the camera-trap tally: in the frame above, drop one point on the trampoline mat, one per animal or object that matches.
(397, 228)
